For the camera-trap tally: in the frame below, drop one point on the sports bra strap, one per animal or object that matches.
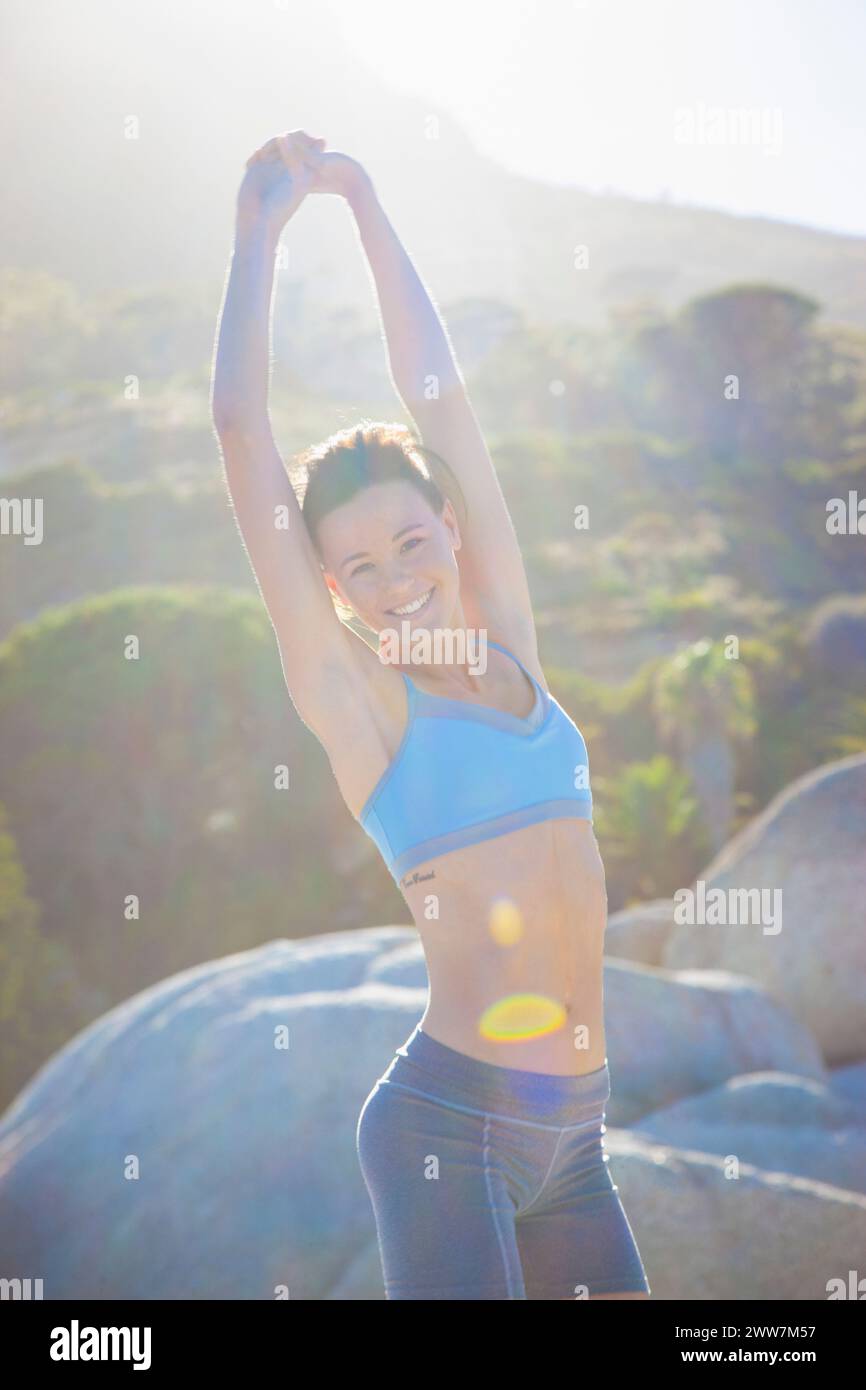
(499, 647)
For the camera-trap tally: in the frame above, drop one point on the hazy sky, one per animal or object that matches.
(642, 96)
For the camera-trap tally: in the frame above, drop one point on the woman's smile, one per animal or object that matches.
(409, 609)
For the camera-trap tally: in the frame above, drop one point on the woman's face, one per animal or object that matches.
(387, 549)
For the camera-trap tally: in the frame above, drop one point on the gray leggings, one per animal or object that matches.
(489, 1183)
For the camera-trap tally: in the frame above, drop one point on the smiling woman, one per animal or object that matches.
(337, 470)
(473, 783)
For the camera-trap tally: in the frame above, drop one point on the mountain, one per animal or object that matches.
(201, 86)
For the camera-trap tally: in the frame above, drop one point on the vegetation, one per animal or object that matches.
(162, 804)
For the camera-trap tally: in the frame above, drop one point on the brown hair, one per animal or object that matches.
(334, 471)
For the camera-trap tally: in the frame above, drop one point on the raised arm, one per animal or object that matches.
(427, 378)
(314, 645)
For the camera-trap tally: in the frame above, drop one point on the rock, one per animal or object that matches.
(762, 1235)
(639, 933)
(850, 1084)
(176, 1150)
(671, 1034)
(809, 843)
(776, 1122)
(247, 1173)
(403, 965)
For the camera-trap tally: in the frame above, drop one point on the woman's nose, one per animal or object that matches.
(398, 577)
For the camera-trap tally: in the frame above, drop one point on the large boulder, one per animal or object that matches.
(639, 933)
(781, 1123)
(704, 1233)
(199, 1140)
(672, 1034)
(810, 845)
(850, 1084)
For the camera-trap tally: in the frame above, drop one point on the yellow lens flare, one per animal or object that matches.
(505, 922)
(521, 1017)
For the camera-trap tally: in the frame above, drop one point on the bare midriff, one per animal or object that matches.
(513, 934)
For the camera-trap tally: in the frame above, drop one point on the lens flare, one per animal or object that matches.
(505, 922)
(521, 1017)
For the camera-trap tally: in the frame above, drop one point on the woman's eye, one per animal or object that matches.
(413, 540)
(366, 566)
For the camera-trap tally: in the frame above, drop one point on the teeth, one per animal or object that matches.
(412, 607)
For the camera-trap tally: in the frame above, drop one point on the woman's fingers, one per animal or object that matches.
(287, 153)
(297, 149)
(301, 158)
(293, 142)
(300, 152)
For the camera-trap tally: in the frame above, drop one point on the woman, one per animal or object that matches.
(482, 1144)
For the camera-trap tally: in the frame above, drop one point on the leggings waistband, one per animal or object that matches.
(544, 1098)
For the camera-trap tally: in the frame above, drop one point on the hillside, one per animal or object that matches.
(109, 213)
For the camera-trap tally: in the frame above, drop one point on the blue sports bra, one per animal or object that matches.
(466, 772)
